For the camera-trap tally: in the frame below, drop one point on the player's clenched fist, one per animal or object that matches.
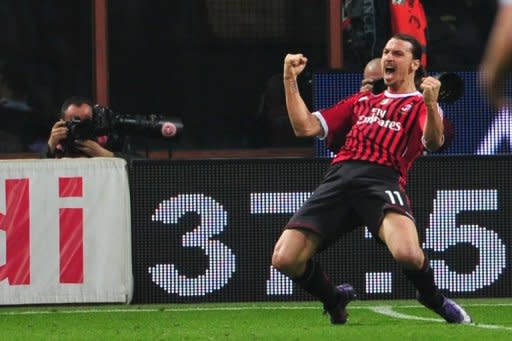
(430, 87)
(294, 64)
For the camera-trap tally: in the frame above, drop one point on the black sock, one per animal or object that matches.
(423, 281)
(317, 283)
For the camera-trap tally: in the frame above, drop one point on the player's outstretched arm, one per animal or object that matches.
(304, 124)
(433, 131)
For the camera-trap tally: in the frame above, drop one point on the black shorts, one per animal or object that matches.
(353, 194)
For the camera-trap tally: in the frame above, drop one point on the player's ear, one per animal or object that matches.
(415, 64)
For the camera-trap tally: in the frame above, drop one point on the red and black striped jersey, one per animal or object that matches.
(386, 128)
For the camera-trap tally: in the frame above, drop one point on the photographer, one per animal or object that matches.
(59, 145)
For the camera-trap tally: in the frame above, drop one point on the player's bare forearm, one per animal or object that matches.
(433, 133)
(498, 55)
(433, 129)
(500, 41)
(301, 119)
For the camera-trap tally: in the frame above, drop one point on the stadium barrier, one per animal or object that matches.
(203, 231)
(65, 231)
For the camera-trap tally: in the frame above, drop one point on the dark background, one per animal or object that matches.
(207, 61)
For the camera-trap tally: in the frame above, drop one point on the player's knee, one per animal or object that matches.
(284, 262)
(409, 257)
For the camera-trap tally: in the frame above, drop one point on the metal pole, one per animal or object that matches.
(335, 45)
(100, 52)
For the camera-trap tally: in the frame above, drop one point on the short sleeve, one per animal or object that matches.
(338, 117)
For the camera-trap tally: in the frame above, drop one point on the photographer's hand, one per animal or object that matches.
(366, 84)
(92, 148)
(58, 133)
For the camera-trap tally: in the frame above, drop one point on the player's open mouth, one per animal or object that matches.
(389, 70)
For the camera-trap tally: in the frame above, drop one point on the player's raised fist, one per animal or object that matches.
(430, 87)
(294, 64)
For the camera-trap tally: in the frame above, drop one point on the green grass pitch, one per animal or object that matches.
(368, 320)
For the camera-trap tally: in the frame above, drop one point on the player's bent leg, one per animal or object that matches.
(400, 235)
(292, 256)
(292, 251)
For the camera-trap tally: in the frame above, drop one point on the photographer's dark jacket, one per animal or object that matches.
(121, 149)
